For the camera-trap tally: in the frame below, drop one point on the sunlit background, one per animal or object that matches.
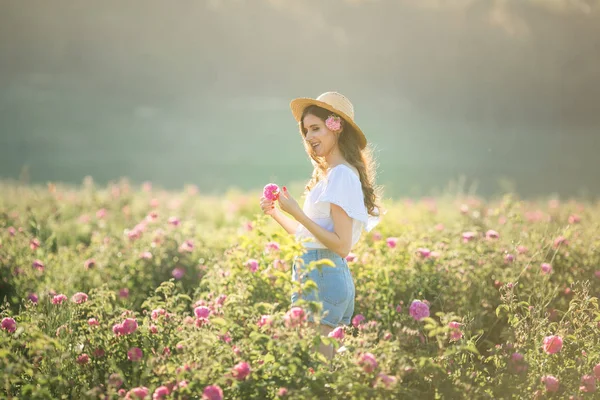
(505, 94)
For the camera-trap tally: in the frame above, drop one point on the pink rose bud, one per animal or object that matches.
(357, 320)
(546, 268)
(337, 333)
(93, 322)
(492, 234)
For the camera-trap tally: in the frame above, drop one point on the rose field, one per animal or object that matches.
(121, 291)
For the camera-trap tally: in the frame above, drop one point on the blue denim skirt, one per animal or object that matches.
(335, 285)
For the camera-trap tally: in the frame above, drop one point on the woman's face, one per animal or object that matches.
(321, 140)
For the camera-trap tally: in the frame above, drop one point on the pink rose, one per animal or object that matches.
(155, 314)
(79, 298)
(424, 252)
(546, 268)
(178, 273)
(357, 320)
(337, 333)
(59, 299)
(272, 246)
(39, 265)
(368, 362)
(468, 236)
(135, 354)
(597, 371)
(265, 320)
(551, 383)
(392, 242)
(509, 258)
(294, 317)
(129, 326)
(139, 392)
(552, 344)
(212, 393)
(419, 310)
(202, 312)
(492, 234)
(173, 221)
(83, 359)
(160, 393)
(252, 265)
(351, 257)
(241, 371)
(282, 392)
(386, 380)
(93, 322)
(588, 384)
(9, 324)
(560, 240)
(333, 123)
(271, 192)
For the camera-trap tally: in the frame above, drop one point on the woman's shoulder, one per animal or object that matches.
(344, 169)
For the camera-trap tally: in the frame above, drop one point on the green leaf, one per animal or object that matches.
(218, 321)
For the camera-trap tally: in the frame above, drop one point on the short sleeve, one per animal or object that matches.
(344, 189)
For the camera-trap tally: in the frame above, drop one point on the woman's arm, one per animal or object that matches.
(340, 240)
(286, 222)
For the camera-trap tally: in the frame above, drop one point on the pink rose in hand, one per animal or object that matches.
(271, 191)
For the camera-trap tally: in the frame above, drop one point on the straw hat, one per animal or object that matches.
(334, 102)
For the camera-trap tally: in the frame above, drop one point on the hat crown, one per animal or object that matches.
(339, 102)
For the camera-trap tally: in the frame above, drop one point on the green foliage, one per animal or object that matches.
(484, 306)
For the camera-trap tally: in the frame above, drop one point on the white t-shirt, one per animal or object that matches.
(340, 186)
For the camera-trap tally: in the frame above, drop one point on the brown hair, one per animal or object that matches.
(349, 146)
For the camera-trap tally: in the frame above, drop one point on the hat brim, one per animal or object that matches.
(298, 105)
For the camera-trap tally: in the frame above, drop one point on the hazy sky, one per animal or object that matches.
(482, 85)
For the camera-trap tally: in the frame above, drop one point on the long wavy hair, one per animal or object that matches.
(349, 145)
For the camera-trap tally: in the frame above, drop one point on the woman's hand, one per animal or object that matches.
(268, 206)
(288, 204)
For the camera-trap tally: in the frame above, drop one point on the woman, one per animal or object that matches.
(340, 203)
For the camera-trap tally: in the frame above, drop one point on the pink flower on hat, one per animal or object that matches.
(271, 191)
(333, 123)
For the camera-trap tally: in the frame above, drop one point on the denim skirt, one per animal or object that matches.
(335, 285)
